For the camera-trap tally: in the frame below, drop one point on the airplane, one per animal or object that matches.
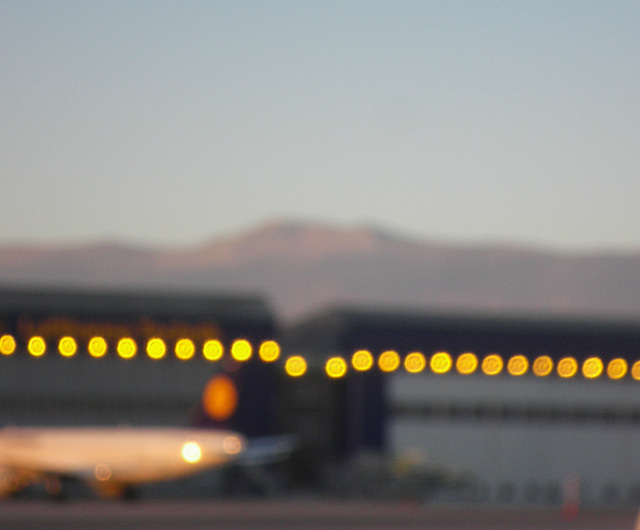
(113, 460)
(110, 460)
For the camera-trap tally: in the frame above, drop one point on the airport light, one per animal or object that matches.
(543, 366)
(185, 349)
(567, 367)
(220, 398)
(362, 360)
(191, 452)
(389, 361)
(212, 350)
(37, 346)
(97, 347)
(592, 367)
(241, 350)
(518, 365)
(156, 348)
(7, 345)
(440, 362)
(617, 368)
(269, 351)
(336, 367)
(467, 363)
(295, 366)
(415, 362)
(635, 370)
(67, 346)
(127, 348)
(492, 364)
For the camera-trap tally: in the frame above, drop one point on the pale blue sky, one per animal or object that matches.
(173, 123)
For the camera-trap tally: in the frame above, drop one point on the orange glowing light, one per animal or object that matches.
(269, 351)
(467, 363)
(518, 365)
(362, 360)
(336, 367)
(212, 350)
(7, 345)
(635, 370)
(441, 362)
(543, 366)
(97, 347)
(617, 368)
(567, 367)
(296, 366)
(156, 348)
(592, 367)
(185, 349)
(37, 346)
(241, 350)
(127, 348)
(492, 364)
(67, 346)
(415, 362)
(220, 398)
(389, 361)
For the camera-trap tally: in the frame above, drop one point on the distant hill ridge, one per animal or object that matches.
(304, 266)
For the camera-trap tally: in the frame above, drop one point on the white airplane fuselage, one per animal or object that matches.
(111, 458)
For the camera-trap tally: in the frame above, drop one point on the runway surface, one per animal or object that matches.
(314, 515)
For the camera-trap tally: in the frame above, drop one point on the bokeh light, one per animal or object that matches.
(212, 350)
(336, 367)
(241, 350)
(617, 368)
(156, 348)
(389, 361)
(7, 345)
(295, 366)
(185, 349)
(518, 365)
(269, 351)
(362, 360)
(635, 370)
(67, 346)
(415, 362)
(467, 363)
(492, 364)
(97, 347)
(220, 398)
(567, 367)
(37, 346)
(543, 366)
(127, 348)
(592, 367)
(440, 362)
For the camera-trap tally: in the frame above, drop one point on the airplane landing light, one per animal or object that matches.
(191, 452)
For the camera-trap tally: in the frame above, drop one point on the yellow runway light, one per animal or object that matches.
(127, 348)
(567, 367)
(441, 362)
(7, 345)
(617, 368)
(212, 350)
(467, 363)
(295, 366)
(185, 349)
(67, 346)
(336, 367)
(97, 347)
(362, 360)
(492, 364)
(592, 367)
(543, 366)
(389, 361)
(415, 363)
(241, 350)
(635, 370)
(156, 348)
(37, 346)
(518, 365)
(269, 351)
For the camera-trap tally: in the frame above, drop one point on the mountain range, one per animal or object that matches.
(303, 267)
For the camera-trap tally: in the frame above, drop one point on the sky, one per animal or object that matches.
(176, 123)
